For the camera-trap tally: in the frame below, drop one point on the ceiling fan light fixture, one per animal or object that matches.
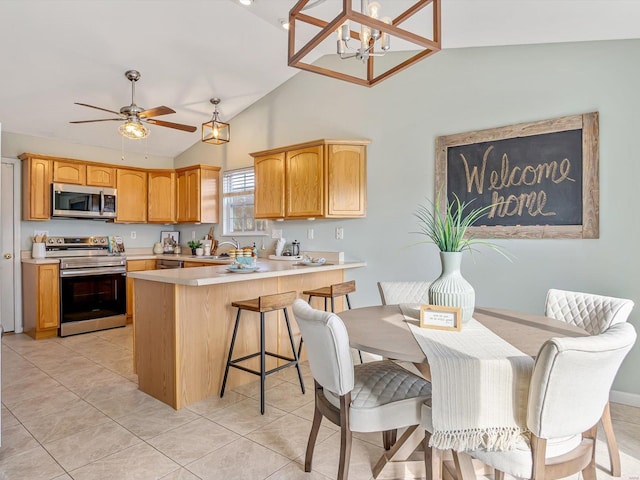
(215, 131)
(133, 129)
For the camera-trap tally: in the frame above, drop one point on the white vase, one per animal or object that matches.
(450, 289)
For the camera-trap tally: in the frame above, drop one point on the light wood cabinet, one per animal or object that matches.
(318, 179)
(346, 180)
(188, 195)
(69, 172)
(36, 187)
(197, 194)
(304, 186)
(161, 197)
(41, 299)
(269, 190)
(101, 176)
(132, 196)
(196, 264)
(136, 266)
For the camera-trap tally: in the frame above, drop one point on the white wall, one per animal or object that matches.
(456, 91)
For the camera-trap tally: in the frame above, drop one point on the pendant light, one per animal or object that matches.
(216, 131)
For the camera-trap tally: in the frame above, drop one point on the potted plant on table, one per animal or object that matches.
(447, 229)
(193, 244)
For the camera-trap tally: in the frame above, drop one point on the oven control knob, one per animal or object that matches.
(94, 240)
(103, 240)
(51, 240)
(60, 241)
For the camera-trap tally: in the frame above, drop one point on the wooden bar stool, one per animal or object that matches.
(262, 305)
(331, 292)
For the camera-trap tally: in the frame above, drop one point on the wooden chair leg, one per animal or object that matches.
(589, 472)
(389, 438)
(313, 435)
(612, 445)
(538, 455)
(432, 460)
(498, 475)
(345, 437)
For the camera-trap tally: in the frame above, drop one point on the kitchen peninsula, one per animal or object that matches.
(183, 322)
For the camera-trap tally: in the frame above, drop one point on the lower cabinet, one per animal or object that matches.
(41, 299)
(196, 264)
(136, 266)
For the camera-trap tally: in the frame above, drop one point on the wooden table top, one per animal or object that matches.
(383, 330)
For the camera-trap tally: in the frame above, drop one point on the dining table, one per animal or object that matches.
(385, 330)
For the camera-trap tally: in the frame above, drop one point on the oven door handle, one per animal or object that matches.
(84, 272)
(101, 202)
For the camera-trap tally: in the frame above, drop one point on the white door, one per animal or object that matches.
(10, 311)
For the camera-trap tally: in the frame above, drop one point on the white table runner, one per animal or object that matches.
(480, 386)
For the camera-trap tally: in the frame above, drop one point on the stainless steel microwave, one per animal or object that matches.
(78, 201)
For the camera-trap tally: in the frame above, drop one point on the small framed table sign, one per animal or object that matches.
(440, 318)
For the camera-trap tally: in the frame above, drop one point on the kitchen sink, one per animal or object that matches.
(212, 257)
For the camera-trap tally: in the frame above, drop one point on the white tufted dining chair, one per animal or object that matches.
(370, 397)
(595, 314)
(563, 431)
(392, 293)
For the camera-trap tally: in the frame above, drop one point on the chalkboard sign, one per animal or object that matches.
(541, 178)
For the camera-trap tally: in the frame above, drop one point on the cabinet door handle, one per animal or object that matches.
(8, 256)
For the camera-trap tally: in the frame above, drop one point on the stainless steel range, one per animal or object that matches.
(92, 284)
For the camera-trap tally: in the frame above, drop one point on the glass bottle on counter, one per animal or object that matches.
(295, 247)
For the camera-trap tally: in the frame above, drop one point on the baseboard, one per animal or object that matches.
(631, 399)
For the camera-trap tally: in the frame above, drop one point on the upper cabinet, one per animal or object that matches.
(188, 195)
(101, 176)
(197, 190)
(269, 191)
(132, 196)
(304, 182)
(36, 187)
(319, 179)
(69, 172)
(161, 204)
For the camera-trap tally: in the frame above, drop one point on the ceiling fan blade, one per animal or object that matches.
(177, 126)
(100, 120)
(98, 108)
(157, 111)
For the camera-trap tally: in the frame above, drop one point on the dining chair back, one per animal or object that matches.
(392, 293)
(563, 431)
(595, 314)
(370, 397)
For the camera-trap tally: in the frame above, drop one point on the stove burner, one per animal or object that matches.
(77, 246)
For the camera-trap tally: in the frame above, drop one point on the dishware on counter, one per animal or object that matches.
(313, 261)
(241, 268)
(280, 246)
(199, 252)
(157, 248)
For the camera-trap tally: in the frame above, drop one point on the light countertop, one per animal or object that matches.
(200, 276)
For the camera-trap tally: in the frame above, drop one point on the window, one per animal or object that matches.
(237, 204)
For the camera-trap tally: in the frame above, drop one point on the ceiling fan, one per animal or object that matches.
(134, 116)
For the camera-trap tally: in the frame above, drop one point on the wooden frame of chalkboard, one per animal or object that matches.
(542, 178)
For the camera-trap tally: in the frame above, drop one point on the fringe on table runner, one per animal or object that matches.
(492, 439)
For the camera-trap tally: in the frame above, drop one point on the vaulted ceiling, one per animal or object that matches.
(57, 52)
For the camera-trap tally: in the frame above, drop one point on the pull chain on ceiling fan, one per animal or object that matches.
(135, 117)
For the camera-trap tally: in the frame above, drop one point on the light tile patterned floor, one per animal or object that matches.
(71, 410)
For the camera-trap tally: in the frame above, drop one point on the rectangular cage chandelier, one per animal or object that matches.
(364, 37)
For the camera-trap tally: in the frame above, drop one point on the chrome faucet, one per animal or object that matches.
(233, 242)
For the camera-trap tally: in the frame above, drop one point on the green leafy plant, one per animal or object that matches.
(448, 229)
(193, 244)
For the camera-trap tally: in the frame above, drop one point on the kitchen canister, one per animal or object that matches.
(38, 250)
